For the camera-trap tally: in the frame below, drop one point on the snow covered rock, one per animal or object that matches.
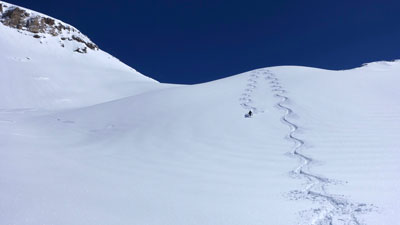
(36, 24)
(46, 63)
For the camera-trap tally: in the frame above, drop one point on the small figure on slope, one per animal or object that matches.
(249, 114)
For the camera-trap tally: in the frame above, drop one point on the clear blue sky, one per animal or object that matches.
(183, 41)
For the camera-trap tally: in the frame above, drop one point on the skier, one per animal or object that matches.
(249, 114)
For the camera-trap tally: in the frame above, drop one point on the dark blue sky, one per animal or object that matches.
(182, 41)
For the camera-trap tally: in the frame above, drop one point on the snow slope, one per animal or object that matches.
(40, 73)
(84, 139)
(187, 155)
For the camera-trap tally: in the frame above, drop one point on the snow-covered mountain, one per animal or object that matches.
(49, 64)
(85, 139)
(40, 26)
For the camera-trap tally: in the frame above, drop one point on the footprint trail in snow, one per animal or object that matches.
(246, 100)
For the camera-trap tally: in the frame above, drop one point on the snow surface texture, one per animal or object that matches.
(85, 139)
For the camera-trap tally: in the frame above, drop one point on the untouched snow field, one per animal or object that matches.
(85, 139)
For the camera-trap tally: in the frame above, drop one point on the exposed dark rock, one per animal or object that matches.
(48, 21)
(15, 18)
(35, 26)
(20, 19)
(78, 39)
(89, 45)
(92, 46)
(81, 50)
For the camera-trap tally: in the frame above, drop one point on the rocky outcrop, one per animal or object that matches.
(15, 18)
(38, 24)
(89, 45)
(81, 50)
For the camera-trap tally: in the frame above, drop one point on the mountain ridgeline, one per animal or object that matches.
(40, 26)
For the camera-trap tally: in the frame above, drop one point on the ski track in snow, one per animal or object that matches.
(332, 209)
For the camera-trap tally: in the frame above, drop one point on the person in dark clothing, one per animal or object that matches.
(249, 114)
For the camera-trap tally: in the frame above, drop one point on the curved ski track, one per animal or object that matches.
(333, 209)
